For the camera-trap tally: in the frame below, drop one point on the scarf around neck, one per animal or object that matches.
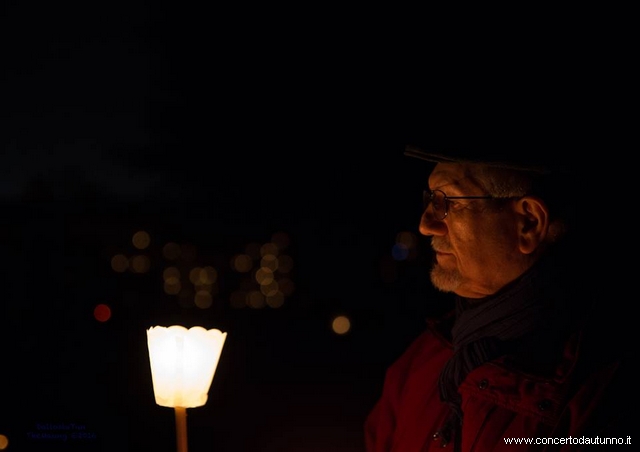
(490, 328)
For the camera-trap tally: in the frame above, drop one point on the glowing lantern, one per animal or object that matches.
(183, 363)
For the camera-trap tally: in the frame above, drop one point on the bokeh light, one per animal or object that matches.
(141, 240)
(171, 273)
(341, 324)
(194, 275)
(242, 263)
(269, 261)
(172, 286)
(256, 300)
(264, 276)
(4, 442)
(269, 248)
(203, 275)
(270, 289)
(400, 252)
(267, 269)
(102, 312)
(172, 283)
(140, 263)
(120, 263)
(275, 300)
(405, 247)
(203, 299)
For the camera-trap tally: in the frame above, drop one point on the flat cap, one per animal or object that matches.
(523, 156)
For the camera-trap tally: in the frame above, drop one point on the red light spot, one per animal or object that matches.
(102, 313)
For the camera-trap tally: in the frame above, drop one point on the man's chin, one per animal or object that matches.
(445, 280)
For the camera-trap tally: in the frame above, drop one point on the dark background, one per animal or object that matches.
(215, 130)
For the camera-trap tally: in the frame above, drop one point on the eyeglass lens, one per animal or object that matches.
(439, 201)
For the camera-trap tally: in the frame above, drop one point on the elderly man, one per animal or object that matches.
(519, 363)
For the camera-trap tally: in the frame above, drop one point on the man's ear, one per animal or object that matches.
(533, 223)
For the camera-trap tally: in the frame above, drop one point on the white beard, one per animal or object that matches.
(445, 280)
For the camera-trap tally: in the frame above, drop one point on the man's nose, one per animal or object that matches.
(429, 224)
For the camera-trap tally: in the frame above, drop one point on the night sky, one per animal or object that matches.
(223, 131)
(199, 133)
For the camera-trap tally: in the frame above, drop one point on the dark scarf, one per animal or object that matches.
(495, 326)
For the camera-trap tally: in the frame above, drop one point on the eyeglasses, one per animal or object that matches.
(440, 201)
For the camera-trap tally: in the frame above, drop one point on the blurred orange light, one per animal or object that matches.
(172, 286)
(203, 275)
(170, 273)
(203, 299)
(141, 240)
(119, 263)
(242, 263)
(256, 299)
(269, 248)
(264, 276)
(341, 324)
(140, 264)
(270, 289)
(275, 300)
(269, 261)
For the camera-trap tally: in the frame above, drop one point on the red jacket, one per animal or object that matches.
(568, 407)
